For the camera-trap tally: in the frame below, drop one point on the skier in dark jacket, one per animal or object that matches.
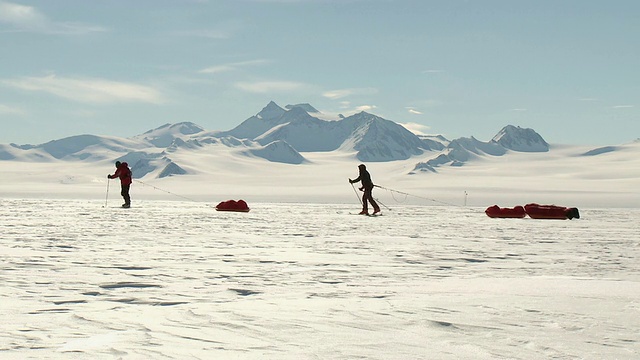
(367, 187)
(124, 173)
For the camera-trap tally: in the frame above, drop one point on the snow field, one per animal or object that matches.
(176, 279)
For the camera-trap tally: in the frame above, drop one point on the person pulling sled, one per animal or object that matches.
(124, 173)
(367, 187)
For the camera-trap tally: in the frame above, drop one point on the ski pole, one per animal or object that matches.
(356, 192)
(380, 202)
(106, 198)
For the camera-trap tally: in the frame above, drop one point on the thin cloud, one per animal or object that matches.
(365, 108)
(29, 19)
(207, 34)
(11, 110)
(348, 110)
(433, 71)
(342, 93)
(87, 90)
(269, 86)
(418, 129)
(303, 1)
(623, 106)
(413, 111)
(232, 66)
(280, 1)
(336, 94)
(21, 16)
(222, 30)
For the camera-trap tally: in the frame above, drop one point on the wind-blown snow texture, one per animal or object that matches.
(178, 280)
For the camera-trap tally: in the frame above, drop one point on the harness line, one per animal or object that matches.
(168, 192)
(417, 196)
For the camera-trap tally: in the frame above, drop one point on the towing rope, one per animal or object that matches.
(168, 192)
(416, 196)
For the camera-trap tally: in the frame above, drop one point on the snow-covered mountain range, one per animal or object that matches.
(295, 153)
(510, 138)
(280, 135)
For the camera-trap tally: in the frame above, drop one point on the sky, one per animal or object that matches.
(565, 68)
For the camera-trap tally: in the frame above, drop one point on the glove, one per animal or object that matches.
(350, 181)
(108, 176)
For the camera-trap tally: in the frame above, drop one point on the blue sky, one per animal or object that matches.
(566, 68)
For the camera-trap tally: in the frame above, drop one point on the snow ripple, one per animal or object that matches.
(305, 281)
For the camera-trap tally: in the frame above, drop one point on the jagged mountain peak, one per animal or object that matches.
(296, 113)
(184, 128)
(471, 144)
(279, 151)
(461, 150)
(271, 111)
(374, 138)
(165, 135)
(520, 139)
(379, 139)
(267, 120)
(363, 115)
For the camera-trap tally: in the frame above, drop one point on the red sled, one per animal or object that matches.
(512, 213)
(232, 205)
(536, 211)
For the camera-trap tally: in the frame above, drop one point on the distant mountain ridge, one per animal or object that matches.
(509, 138)
(281, 135)
(374, 138)
(519, 139)
(167, 133)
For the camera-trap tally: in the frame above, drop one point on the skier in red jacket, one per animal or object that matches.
(124, 173)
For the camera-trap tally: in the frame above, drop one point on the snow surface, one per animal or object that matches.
(176, 280)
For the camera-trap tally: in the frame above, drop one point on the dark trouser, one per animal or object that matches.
(367, 196)
(125, 194)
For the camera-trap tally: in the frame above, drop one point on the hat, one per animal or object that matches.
(118, 163)
(361, 166)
